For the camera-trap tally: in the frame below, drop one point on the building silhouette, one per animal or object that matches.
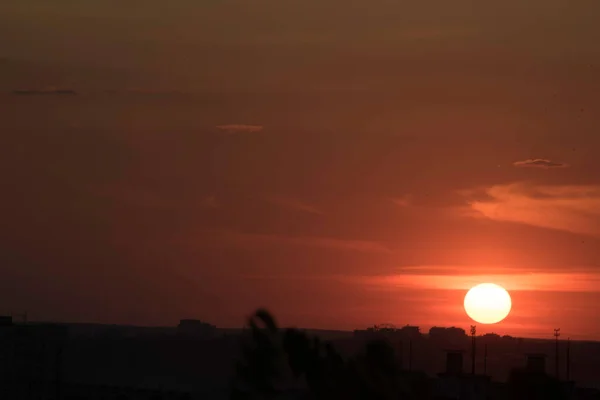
(193, 328)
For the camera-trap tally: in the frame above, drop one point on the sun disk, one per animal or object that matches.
(487, 303)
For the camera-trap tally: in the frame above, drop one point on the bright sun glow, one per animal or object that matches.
(487, 303)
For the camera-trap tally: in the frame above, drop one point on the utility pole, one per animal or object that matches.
(58, 366)
(485, 359)
(473, 332)
(410, 355)
(568, 359)
(556, 335)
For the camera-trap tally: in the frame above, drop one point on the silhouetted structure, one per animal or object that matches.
(46, 362)
(473, 338)
(410, 355)
(528, 385)
(485, 355)
(454, 384)
(452, 335)
(410, 331)
(568, 359)
(194, 328)
(557, 365)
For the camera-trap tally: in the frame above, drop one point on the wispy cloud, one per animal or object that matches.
(512, 281)
(146, 91)
(572, 208)
(236, 128)
(539, 163)
(435, 32)
(45, 91)
(293, 204)
(403, 201)
(258, 240)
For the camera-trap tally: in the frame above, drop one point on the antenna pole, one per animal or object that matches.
(485, 360)
(473, 332)
(556, 335)
(410, 355)
(568, 359)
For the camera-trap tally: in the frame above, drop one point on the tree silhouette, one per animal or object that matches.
(261, 366)
(319, 364)
(274, 359)
(376, 371)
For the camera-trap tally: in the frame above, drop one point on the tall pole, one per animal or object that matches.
(556, 335)
(58, 366)
(485, 360)
(473, 332)
(568, 359)
(410, 355)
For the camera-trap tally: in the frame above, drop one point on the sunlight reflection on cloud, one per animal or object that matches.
(570, 208)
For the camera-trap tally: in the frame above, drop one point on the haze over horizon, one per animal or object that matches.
(340, 164)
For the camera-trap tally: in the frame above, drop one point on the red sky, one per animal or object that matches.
(341, 163)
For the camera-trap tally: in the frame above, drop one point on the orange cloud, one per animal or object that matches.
(538, 281)
(572, 208)
(403, 201)
(539, 163)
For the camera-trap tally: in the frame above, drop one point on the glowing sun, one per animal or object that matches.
(487, 303)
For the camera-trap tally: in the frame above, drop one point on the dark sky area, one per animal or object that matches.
(342, 163)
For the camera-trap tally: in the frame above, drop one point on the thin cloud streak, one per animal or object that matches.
(46, 91)
(257, 240)
(539, 163)
(293, 204)
(404, 201)
(463, 270)
(240, 128)
(539, 281)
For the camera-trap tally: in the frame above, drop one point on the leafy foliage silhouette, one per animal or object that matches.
(260, 369)
(278, 360)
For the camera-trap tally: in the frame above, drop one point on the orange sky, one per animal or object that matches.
(341, 163)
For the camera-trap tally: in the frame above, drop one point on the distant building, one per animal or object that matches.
(451, 336)
(455, 384)
(196, 328)
(491, 336)
(410, 331)
(389, 331)
(535, 385)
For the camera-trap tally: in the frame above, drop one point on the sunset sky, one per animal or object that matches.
(342, 163)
